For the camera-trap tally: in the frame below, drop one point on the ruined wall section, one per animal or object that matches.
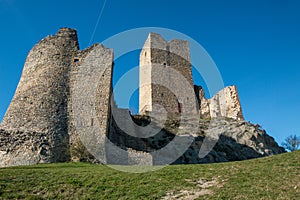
(98, 60)
(226, 103)
(40, 102)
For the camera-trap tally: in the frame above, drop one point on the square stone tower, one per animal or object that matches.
(165, 76)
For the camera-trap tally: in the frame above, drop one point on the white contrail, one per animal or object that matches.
(97, 23)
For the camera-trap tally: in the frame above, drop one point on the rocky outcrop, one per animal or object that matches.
(228, 140)
(236, 140)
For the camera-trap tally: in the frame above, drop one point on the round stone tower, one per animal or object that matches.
(40, 101)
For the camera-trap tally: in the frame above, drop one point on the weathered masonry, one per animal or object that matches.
(39, 125)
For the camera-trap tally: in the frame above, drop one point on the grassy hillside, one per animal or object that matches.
(276, 177)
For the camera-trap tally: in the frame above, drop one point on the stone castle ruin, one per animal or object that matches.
(39, 125)
(158, 57)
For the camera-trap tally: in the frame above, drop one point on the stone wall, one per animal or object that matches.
(226, 103)
(25, 148)
(90, 95)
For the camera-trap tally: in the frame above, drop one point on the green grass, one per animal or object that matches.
(275, 177)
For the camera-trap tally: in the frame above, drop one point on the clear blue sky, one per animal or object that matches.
(255, 44)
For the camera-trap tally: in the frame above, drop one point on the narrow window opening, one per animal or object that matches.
(179, 107)
(76, 60)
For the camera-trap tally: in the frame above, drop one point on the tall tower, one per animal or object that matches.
(159, 84)
(40, 101)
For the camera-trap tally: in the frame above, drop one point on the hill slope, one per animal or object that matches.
(275, 177)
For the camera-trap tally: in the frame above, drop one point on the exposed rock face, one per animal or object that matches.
(238, 140)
